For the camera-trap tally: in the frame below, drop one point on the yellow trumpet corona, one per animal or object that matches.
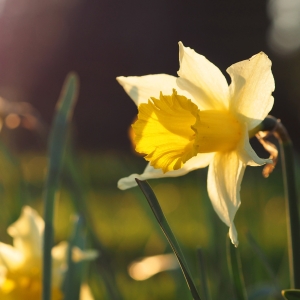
(171, 130)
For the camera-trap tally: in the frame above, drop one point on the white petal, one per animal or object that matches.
(80, 255)
(198, 96)
(10, 257)
(59, 252)
(206, 76)
(225, 175)
(140, 89)
(85, 292)
(200, 161)
(233, 235)
(251, 88)
(3, 272)
(148, 266)
(248, 155)
(27, 233)
(59, 263)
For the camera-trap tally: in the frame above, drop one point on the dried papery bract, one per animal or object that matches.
(271, 148)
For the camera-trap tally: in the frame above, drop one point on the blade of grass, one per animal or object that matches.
(75, 184)
(73, 277)
(235, 270)
(153, 202)
(57, 144)
(202, 272)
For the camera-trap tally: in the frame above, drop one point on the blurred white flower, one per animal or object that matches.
(149, 266)
(21, 264)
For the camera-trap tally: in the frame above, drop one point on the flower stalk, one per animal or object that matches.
(291, 199)
(235, 271)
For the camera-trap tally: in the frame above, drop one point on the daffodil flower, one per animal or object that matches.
(196, 119)
(21, 264)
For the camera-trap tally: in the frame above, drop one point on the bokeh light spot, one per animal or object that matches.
(12, 121)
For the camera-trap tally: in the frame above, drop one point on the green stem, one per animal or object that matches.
(291, 200)
(235, 271)
(292, 215)
(203, 275)
(76, 186)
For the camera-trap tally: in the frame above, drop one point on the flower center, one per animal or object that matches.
(172, 129)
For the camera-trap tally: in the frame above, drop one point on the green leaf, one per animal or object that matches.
(153, 202)
(103, 264)
(74, 274)
(203, 275)
(73, 180)
(291, 294)
(235, 270)
(293, 222)
(57, 144)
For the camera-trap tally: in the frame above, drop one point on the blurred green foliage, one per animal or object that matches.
(126, 227)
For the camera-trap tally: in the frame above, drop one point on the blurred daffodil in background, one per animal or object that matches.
(21, 264)
(197, 119)
(147, 267)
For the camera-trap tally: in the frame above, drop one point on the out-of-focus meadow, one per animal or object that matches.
(126, 227)
(101, 41)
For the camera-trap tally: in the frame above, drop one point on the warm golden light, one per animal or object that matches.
(151, 265)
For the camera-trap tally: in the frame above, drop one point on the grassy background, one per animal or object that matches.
(127, 230)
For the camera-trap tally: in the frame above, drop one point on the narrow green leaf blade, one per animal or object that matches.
(203, 277)
(103, 263)
(235, 270)
(57, 145)
(153, 202)
(292, 209)
(73, 277)
(291, 294)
